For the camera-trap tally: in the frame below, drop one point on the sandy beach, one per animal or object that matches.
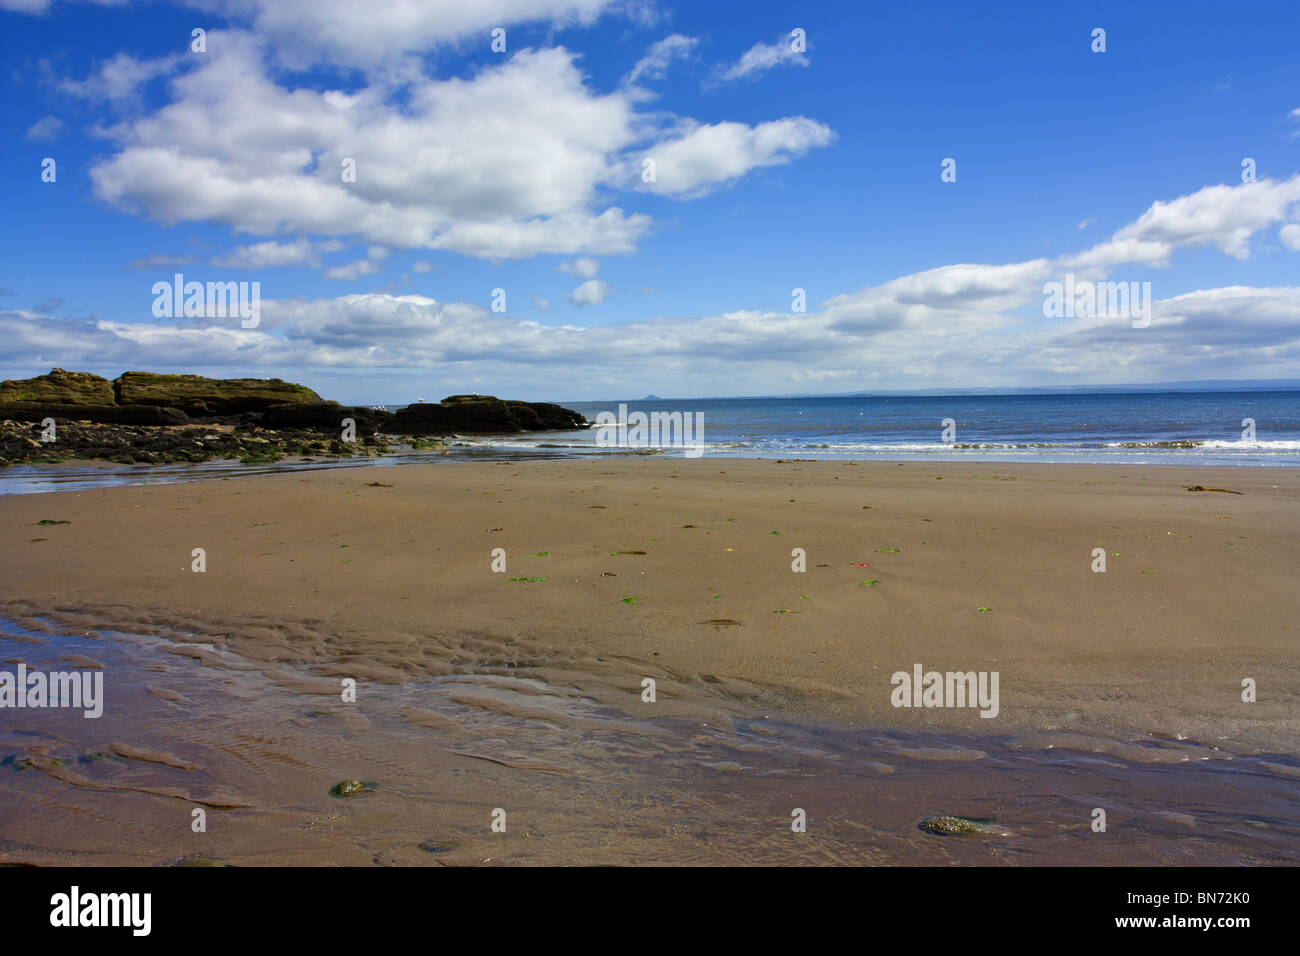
(618, 569)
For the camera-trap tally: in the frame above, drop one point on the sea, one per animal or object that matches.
(1239, 428)
(1212, 428)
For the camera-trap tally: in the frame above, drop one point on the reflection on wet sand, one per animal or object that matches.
(586, 771)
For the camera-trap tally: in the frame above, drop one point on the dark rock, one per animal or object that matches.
(59, 388)
(203, 397)
(104, 414)
(553, 417)
(249, 419)
(482, 414)
(325, 415)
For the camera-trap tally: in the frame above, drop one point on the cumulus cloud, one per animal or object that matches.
(703, 157)
(370, 33)
(514, 162)
(585, 267)
(1254, 332)
(1290, 236)
(46, 129)
(1223, 216)
(119, 78)
(591, 292)
(762, 57)
(370, 265)
(532, 145)
(941, 327)
(270, 255)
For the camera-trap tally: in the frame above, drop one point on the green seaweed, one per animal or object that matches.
(350, 788)
(949, 826)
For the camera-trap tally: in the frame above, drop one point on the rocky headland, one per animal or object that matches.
(154, 418)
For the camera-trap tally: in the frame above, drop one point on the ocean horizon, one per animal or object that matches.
(1185, 428)
(1176, 428)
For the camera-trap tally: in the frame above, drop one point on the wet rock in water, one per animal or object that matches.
(948, 826)
(350, 788)
(438, 846)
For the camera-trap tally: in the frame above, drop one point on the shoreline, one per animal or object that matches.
(772, 684)
(80, 474)
(439, 756)
(278, 541)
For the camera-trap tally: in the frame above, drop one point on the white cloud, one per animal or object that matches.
(120, 77)
(513, 162)
(585, 267)
(703, 157)
(762, 57)
(1233, 332)
(370, 265)
(532, 147)
(266, 255)
(941, 327)
(654, 65)
(1290, 236)
(591, 292)
(1222, 216)
(542, 303)
(46, 129)
(422, 267)
(371, 33)
(609, 234)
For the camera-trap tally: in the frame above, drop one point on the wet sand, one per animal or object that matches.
(479, 690)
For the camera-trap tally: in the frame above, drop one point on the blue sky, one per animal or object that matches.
(775, 169)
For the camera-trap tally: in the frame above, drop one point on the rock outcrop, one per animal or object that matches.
(101, 414)
(202, 397)
(149, 444)
(482, 415)
(59, 388)
(326, 415)
(146, 417)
